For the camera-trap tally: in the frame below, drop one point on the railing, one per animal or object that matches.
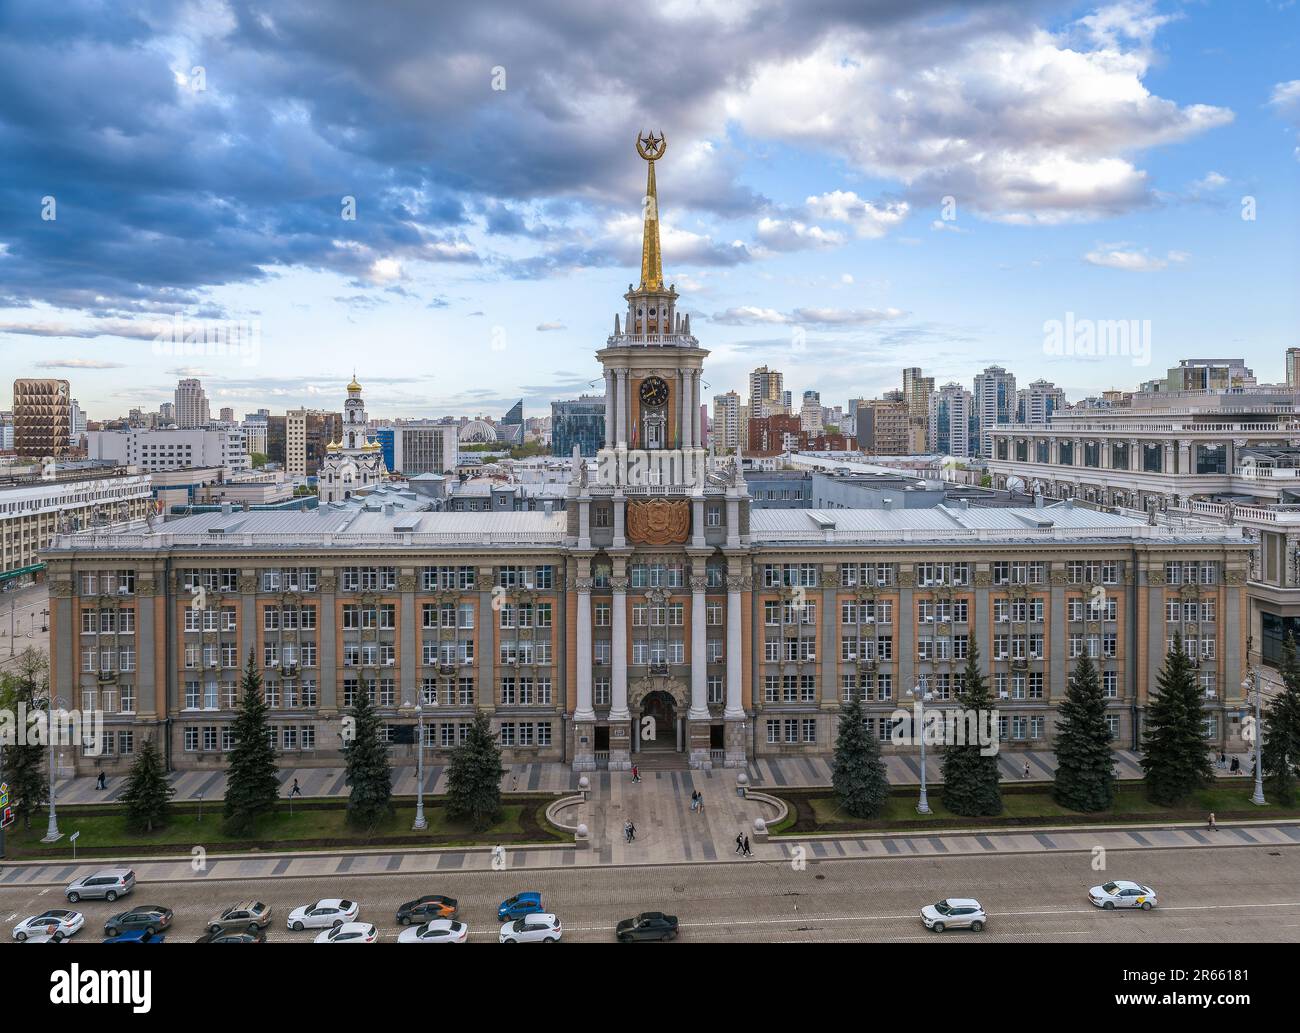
(290, 539)
(1267, 472)
(673, 340)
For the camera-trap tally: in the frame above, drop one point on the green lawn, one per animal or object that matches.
(305, 826)
(1131, 802)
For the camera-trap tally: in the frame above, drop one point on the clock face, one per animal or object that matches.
(654, 392)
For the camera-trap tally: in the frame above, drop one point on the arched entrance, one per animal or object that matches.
(658, 722)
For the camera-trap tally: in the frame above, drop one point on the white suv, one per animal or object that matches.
(536, 928)
(954, 913)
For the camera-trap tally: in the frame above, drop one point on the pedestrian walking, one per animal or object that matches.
(101, 782)
(1212, 825)
(296, 790)
(636, 773)
(747, 850)
(631, 831)
(740, 843)
(1236, 766)
(1223, 761)
(627, 832)
(1026, 774)
(701, 802)
(695, 799)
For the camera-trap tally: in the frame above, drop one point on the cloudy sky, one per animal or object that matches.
(447, 196)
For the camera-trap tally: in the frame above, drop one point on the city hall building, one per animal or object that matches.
(658, 614)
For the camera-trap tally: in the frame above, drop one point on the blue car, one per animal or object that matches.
(137, 936)
(519, 905)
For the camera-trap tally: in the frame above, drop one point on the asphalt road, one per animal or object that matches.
(1225, 895)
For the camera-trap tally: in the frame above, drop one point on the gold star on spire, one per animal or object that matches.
(651, 148)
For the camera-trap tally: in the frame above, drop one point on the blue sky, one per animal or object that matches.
(1097, 159)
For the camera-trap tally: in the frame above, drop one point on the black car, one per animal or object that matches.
(648, 925)
(435, 905)
(232, 937)
(152, 918)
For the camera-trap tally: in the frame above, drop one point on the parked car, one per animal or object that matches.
(137, 936)
(55, 924)
(436, 930)
(233, 937)
(349, 932)
(152, 918)
(106, 884)
(648, 925)
(249, 915)
(536, 928)
(1122, 893)
(435, 905)
(323, 914)
(519, 905)
(954, 913)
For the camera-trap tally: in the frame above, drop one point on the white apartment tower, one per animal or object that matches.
(191, 405)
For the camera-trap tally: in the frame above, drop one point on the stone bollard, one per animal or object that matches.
(760, 830)
(742, 785)
(582, 838)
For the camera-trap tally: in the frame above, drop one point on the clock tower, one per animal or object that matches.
(658, 544)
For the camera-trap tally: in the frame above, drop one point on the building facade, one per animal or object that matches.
(42, 417)
(657, 612)
(580, 423)
(191, 405)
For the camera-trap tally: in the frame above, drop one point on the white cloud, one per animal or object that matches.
(748, 315)
(1019, 124)
(1130, 259)
(544, 327)
(867, 218)
(793, 235)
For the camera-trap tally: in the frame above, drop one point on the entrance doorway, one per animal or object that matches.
(660, 733)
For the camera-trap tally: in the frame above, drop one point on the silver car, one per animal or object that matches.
(954, 913)
(106, 884)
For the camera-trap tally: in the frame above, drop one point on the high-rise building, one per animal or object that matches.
(1293, 367)
(171, 448)
(917, 390)
(42, 417)
(766, 393)
(726, 422)
(307, 435)
(1203, 375)
(78, 420)
(882, 426)
(425, 446)
(810, 413)
(995, 403)
(953, 423)
(191, 404)
(227, 414)
(578, 421)
(1036, 403)
(167, 413)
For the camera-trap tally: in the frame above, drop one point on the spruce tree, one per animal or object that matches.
(857, 772)
(970, 780)
(474, 777)
(252, 786)
(26, 691)
(147, 794)
(1281, 731)
(1174, 754)
(1085, 773)
(368, 773)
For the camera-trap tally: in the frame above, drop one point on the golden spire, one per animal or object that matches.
(651, 148)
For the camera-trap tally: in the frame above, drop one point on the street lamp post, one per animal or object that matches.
(1252, 685)
(52, 833)
(920, 695)
(420, 822)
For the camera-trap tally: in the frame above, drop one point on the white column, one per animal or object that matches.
(610, 441)
(624, 415)
(618, 649)
(699, 656)
(735, 708)
(683, 397)
(583, 711)
(697, 432)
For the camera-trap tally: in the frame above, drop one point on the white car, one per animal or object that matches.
(535, 928)
(437, 930)
(55, 924)
(1122, 893)
(323, 914)
(954, 913)
(349, 932)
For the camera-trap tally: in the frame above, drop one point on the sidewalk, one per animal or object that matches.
(770, 773)
(668, 832)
